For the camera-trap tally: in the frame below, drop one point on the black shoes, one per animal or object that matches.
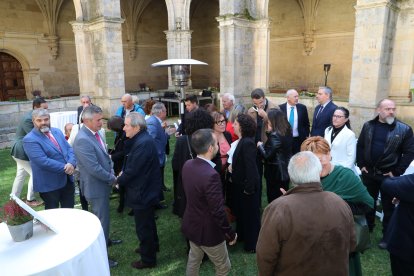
(142, 265)
(112, 263)
(160, 206)
(382, 244)
(114, 242)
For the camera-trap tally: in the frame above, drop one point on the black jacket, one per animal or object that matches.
(276, 153)
(398, 152)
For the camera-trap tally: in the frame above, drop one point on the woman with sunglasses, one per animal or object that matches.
(341, 139)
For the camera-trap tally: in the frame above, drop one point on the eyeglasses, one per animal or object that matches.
(222, 122)
(338, 116)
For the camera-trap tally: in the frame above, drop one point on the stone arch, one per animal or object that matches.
(80, 9)
(172, 15)
(24, 65)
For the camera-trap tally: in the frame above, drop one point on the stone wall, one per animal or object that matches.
(11, 112)
(290, 66)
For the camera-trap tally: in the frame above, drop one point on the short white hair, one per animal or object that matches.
(290, 91)
(229, 96)
(304, 167)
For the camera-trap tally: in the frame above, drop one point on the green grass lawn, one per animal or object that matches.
(172, 256)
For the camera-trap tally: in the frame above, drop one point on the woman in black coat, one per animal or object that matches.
(116, 123)
(195, 120)
(276, 153)
(246, 183)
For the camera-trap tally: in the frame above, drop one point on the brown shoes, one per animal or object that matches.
(142, 265)
(34, 203)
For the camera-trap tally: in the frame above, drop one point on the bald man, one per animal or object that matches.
(128, 106)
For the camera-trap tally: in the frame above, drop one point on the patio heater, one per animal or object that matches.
(180, 74)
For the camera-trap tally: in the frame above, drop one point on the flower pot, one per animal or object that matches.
(21, 232)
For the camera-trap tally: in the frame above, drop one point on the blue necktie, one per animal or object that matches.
(292, 117)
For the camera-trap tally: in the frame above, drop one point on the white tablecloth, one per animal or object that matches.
(60, 119)
(77, 249)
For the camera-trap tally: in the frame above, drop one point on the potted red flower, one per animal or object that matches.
(19, 222)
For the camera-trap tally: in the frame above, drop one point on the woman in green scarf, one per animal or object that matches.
(343, 182)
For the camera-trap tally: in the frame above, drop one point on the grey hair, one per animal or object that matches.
(290, 91)
(229, 96)
(238, 109)
(304, 167)
(327, 90)
(86, 97)
(127, 95)
(88, 112)
(157, 108)
(383, 100)
(137, 120)
(40, 112)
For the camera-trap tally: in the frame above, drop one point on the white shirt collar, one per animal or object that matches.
(208, 161)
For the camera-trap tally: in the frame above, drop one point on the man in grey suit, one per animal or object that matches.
(19, 155)
(95, 167)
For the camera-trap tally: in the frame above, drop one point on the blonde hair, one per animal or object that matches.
(316, 144)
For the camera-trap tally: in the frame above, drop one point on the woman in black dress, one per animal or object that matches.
(246, 181)
(276, 153)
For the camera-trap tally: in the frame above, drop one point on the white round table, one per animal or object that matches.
(60, 119)
(77, 249)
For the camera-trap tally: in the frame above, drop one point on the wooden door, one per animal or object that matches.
(11, 79)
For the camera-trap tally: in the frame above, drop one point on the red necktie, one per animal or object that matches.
(98, 138)
(53, 140)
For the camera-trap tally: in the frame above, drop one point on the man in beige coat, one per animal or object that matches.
(306, 231)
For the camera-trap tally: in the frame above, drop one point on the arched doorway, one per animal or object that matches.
(11, 79)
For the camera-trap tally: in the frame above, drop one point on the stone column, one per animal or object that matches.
(179, 46)
(372, 56)
(244, 55)
(178, 34)
(99, 53)
(403, 54)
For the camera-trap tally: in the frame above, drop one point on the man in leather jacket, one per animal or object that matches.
(385, 149)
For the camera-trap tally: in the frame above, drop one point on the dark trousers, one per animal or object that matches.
(248, 219)
(259, 164)
(273, 184)
(373, 184)
(400, 267)
(146, 230)
(83, 201)
(162, 198)
(296, 143)
(64, 196)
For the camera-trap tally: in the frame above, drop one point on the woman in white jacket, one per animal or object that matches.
(342, 139)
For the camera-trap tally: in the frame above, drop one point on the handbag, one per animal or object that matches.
(363, 241)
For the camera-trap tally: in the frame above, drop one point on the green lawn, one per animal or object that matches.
(172, 256)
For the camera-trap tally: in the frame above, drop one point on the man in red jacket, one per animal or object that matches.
(204, 222)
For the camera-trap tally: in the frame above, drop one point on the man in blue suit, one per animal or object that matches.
(157, 132)
(297, 115)
(52, 160)
(322, 117)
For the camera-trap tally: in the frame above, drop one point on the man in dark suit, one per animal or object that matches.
(297, 115)
(399, 237)
(95, 168)
(322, 116)
(22, 161)
(157, 132)
(52, 161)
(204, 222)
(141, 177)
(85, 102)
